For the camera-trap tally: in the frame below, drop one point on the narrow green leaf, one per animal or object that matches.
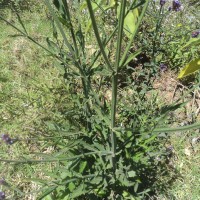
(134, 33)
(130, 22)
(47, 192)
(182, 128)
(59, 27)
(52, 45)
(21, 22)
(82, 166)
(78, 191)
(97, 34)
(136, 187)
(191, 42)
(131, 57)
(190, 68)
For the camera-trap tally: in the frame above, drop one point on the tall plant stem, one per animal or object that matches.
(60, 28)
(114, 31)
(123, 59)
(71, 28)
(96, 32)
(114, 83)
(158, 26)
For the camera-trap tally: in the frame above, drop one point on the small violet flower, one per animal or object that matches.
(163, 67)
(176, 5)
(195, 34)
(162, 2)
(7, 139)
(3, 182)
(2, 195)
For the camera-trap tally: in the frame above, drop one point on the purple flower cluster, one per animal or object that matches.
(3, 182)
(163, 67)
(195, 34)
(7, 139)
(162, 2)
(2, 195)
(176, 5)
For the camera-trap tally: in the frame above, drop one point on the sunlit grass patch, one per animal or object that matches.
(28, 82)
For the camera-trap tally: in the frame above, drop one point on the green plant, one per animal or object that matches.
(104, 149)
(167, 31)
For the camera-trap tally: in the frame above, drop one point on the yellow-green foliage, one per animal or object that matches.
(190, 68)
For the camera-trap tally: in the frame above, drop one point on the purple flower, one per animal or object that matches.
(3, 182)
(2, 195)
(163, 67)
(176, 5)
(6, 138)
(162, 2)
(195, 34)
(170, 8)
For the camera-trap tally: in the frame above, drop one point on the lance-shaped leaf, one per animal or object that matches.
(190, 68)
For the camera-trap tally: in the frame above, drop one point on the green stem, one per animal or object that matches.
(96, 32)
(123, 60)
(158, 24)
(182, 128)
(114, 31)
(59, 27)
(114, 83)
(162, 129)
(71, 27)
(100, 153)
(26, 35)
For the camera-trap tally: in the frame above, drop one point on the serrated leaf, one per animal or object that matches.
(190, 68)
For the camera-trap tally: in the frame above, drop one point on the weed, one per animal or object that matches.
(87, 144)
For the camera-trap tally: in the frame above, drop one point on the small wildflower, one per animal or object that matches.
(6, 138)
(170, 148)
(195, 34)
(176, 5)
(163, 67)
(3, 182)
(162, 2)
(170, 8)
(2, 195)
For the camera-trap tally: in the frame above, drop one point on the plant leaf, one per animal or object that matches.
(182, 128)
(190, 68)
(46, 192)
(130, 22)
(192, 41)
(82, 166)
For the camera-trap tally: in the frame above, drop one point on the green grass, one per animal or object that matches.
(28, 84)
